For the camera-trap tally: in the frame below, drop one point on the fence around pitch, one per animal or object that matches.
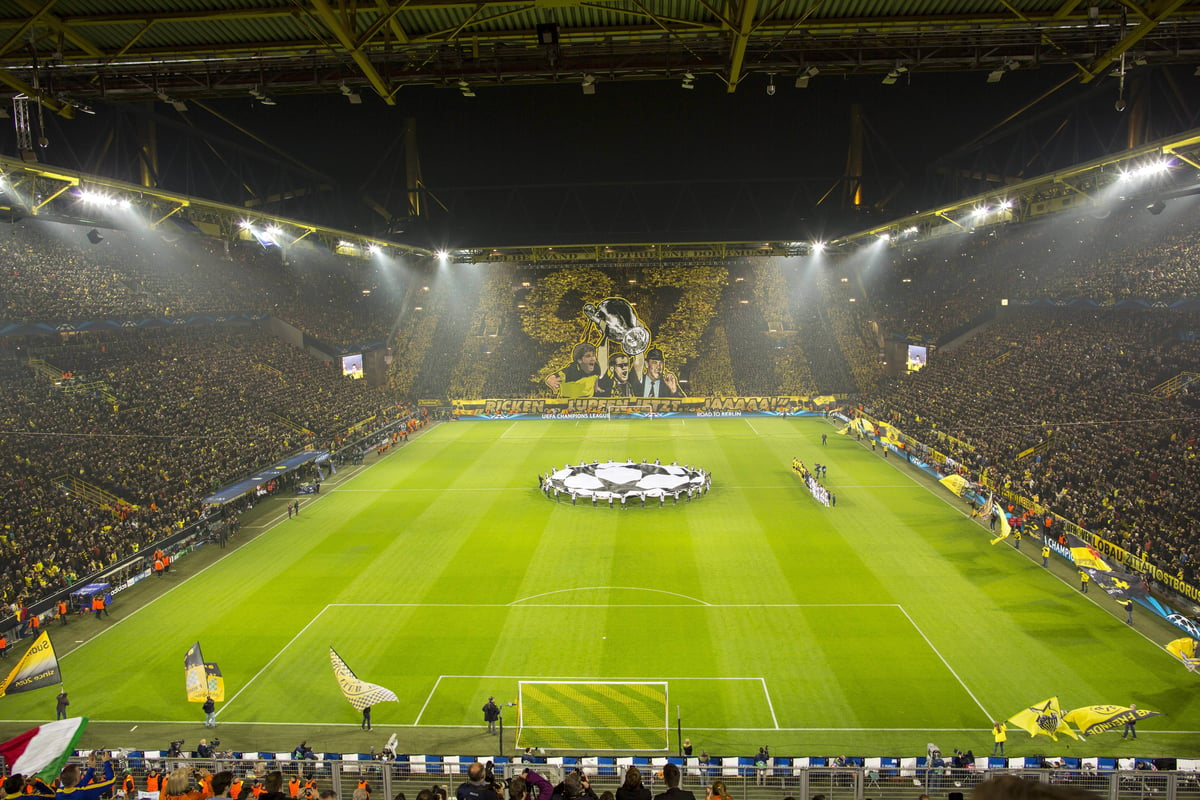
(386, 779)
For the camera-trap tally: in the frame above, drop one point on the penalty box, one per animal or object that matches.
(785, 665)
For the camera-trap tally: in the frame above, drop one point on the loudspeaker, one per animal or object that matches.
(547, 33)
(94, 236)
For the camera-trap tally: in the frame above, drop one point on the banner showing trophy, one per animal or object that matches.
(616, 319)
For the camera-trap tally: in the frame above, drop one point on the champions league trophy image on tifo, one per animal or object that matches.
(618, 322)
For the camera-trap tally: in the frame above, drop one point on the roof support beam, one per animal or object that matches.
(1155, 13)
(59, 26)
(344, 38)
(741, 38)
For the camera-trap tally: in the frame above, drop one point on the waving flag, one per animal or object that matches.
(37, 668)
(359, 693)
(44, 750)
(1002, 518)
(1121, 585)
(1097, 719)
(955, 483)
(1044, 718)
(1185, 650)
(1085, 556)
(203, 678)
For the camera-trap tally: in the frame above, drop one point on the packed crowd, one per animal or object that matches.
(52, 272)
(157, 419)
(935, 288)
(1116, 455)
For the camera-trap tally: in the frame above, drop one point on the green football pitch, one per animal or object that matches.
(748, 616)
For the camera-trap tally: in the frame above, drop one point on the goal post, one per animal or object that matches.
(593, 715)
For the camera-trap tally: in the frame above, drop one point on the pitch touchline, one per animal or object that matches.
(522, 604)
(384, 725)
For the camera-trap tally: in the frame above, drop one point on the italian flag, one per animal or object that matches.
(43, 750)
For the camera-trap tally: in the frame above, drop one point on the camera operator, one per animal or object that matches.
(476, 786)
(576, 785)
(535, 781)
(203, 750)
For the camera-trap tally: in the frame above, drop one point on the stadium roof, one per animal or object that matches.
(72, 51)
(308, 110)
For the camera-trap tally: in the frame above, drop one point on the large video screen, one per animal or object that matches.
(918, 357)
(352, 366)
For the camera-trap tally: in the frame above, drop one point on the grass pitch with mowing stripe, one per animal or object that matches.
(442, 573)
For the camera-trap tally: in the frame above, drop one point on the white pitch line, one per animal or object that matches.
(942, 658)
(770, 705)
(383, 725)
(267, 666)
(700, 605)
(752, 428)
(429, 699)
(606, 588)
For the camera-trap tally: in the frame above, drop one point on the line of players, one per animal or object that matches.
(812, 480)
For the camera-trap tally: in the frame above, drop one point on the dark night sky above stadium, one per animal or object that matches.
(653, 162)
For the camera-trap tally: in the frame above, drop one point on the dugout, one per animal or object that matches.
(81, 599)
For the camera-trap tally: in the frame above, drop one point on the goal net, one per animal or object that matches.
(593, 715)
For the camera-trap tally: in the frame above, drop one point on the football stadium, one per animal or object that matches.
(335, 464)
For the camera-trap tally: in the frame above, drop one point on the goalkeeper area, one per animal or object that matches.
(755, 616)
(593, 715)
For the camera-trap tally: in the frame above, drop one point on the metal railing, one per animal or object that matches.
(388, 778)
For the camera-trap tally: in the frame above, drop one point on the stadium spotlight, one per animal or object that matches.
(588, 83)
(245, 224)
(258, 94)
(771, 85)
(689, 81)
(818, 247)
(354, 97)
(374, 249)
(443, 255)
(178, 105)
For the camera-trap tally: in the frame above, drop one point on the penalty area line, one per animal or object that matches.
(267, 666)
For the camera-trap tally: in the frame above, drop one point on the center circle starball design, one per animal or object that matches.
(613, 482)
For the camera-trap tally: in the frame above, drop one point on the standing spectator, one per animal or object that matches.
(366, 720)
(632, 788)
(999, 736)
(761, 760)
(671, 777)
(60, 705)
(210, 712)
(491, 714)
(1083, 581)
(1045, 555)
(1130, 729)
(1128, 603)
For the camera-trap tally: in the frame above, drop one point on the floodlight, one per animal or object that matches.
(771, 85)
(354, 97)
(818, 247)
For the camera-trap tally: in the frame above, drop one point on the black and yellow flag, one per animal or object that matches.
(1044, 718)
(37, 668)
(203, 678)
(359, 693)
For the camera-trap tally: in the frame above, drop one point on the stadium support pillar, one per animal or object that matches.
(679, 730)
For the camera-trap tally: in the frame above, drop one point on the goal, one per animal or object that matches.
(593, 715)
